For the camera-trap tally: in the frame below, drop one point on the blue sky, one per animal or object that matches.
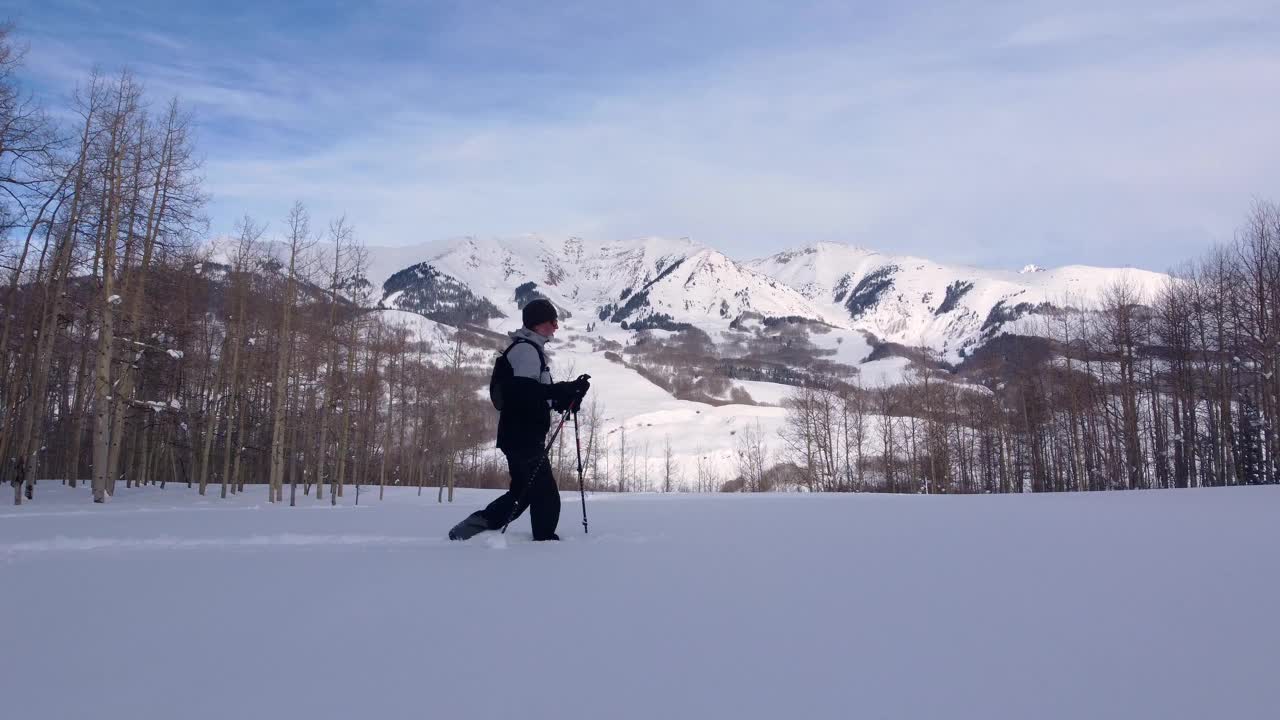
(999, 134)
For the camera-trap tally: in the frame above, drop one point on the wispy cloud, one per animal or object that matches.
(1006, 135)
(160, 40)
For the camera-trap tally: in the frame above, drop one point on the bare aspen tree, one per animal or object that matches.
(670, 468)
(592, 418)
(395, 357)
(1120, 335)
(752, 455)
(163, 159)
(340, 235)
(113, 152)
(26, 379)
(217, 399)
(800, 435)
(622, 459)
(885, 408)
(709, 478)
(248, 235)
(352, 332)
(854, 409)
(131, 174)
(454, 390)
(298, 226)
(346, 401)
(29, 154)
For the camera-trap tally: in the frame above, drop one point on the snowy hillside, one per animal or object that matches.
(162, 604)
(950, 309)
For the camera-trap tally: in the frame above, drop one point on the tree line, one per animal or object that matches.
(134, 352)
(1126, 392)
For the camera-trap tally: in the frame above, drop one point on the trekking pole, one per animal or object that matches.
(582, 491)
(529, 480)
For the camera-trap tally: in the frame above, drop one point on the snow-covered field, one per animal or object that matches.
(162, 604)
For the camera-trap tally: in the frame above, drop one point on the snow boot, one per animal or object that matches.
(471, 526)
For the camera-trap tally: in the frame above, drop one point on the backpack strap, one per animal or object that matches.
(542, 359)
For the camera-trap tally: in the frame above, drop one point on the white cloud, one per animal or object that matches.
(1029, 133)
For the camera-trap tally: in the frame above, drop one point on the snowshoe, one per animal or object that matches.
(473, 525)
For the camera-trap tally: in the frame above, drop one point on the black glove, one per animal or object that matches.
(580, 388)
(567, 396)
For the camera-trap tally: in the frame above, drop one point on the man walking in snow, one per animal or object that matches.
(528, 396)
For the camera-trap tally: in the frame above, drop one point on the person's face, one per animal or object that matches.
(547, 329)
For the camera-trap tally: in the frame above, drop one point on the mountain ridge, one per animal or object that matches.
(660, 283)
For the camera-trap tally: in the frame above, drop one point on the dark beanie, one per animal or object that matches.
(537, 312)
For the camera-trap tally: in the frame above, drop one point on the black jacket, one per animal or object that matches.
(528, 397)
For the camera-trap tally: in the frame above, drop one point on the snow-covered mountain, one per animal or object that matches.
(633, 284)
(951, 309)
(656, 283)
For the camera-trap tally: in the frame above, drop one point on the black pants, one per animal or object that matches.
(538, 493)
